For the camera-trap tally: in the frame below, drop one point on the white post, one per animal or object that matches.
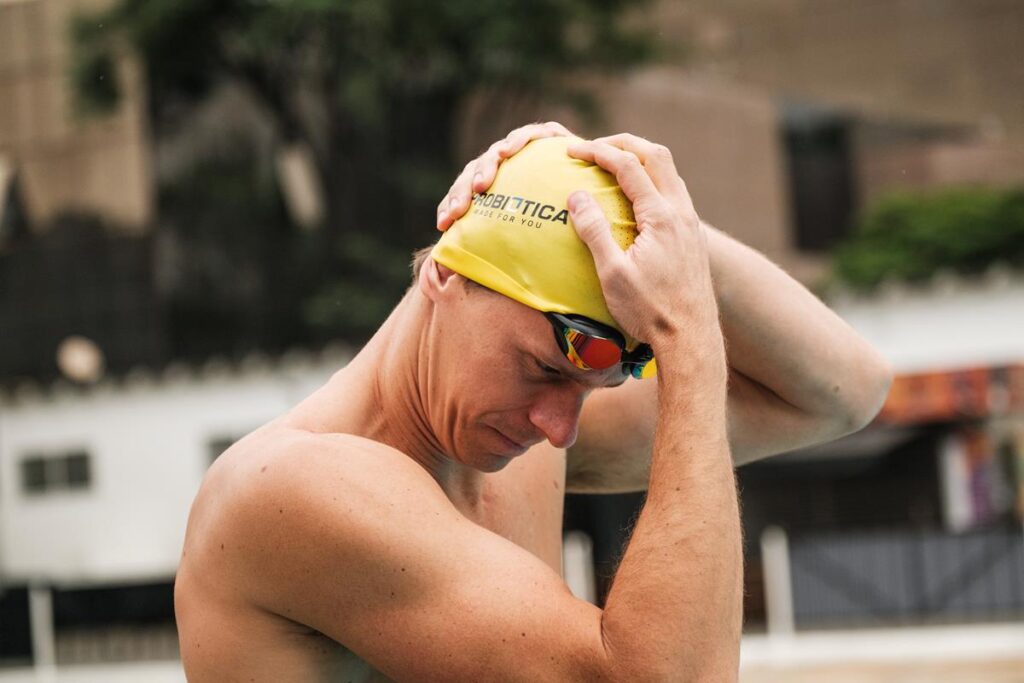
(578, 565)
(778, 583)
(40, 610)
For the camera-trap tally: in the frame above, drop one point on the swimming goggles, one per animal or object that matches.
(589, 345)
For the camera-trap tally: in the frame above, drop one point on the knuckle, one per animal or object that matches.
(660, 214)
(613, 270)
(691, 218)
(662, 154)
(631, 163)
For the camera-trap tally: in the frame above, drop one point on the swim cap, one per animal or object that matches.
(517, 237)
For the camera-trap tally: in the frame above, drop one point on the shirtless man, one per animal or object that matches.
(404, 521)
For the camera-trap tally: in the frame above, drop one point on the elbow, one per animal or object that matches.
(875, 383)
(640, 660)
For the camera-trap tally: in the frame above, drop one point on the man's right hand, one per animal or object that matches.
(660, 286)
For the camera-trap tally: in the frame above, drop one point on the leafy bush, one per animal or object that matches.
(908, 237)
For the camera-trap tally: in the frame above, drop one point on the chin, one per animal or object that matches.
(492, 465)
(485, 460)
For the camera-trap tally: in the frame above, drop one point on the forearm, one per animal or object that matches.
(781, 336)
(675, 609)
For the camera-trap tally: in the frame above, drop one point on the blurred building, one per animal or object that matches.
(95, 487)
(786, 118)
(66, 162)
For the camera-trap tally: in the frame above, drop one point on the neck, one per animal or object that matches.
(386, 391)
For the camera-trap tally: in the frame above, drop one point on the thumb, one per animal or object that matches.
(594, 229)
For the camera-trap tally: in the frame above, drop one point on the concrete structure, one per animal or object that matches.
(148, 441)
(729, 142)
(950, 322)
(64, 162)
(918, 61)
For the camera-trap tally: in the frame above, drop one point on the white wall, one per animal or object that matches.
(953, 323)
(148, 440)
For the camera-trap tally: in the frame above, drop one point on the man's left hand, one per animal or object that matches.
(479, 173)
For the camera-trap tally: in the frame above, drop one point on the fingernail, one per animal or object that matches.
(578, 200)
(477, 179)
(442, 217)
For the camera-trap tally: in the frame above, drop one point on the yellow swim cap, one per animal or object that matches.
(517, 238)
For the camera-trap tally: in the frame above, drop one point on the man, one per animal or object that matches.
(403, 522)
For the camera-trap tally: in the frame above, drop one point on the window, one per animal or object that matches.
(45, 473)
(821, 176)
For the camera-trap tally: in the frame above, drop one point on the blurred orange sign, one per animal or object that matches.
(955, 394)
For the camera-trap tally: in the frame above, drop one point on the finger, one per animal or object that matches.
(636, 184)
(479, 174)
(456, 202)
(594, 229)
(513, 143)
(518, 138)
(657, 159)
(442, 222)
(487, 166)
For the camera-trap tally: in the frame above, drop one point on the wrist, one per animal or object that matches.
(689, 353)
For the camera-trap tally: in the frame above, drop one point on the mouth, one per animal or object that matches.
(511, 446)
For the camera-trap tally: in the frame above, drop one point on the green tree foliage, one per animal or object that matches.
(908, 237)
(373, 87)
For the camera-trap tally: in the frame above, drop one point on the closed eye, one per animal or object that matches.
(548, 370)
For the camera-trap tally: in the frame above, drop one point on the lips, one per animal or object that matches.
(512, 444)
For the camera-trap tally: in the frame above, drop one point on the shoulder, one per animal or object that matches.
(306, 504)
(292, 478)
(355, 540)
(315, 462)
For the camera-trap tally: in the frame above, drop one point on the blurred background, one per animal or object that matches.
(207, 206)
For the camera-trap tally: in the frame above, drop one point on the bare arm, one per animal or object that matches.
(798, 375)
(783, 338)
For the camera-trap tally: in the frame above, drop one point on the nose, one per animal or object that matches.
(556, 413)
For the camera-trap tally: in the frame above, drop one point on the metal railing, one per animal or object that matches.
(893, 577)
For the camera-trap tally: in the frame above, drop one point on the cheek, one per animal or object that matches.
(494, 384)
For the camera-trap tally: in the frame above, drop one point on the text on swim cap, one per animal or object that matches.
(522, 206)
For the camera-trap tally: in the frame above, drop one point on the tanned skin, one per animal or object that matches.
(403, 522)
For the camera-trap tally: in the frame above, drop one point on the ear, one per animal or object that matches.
(437, 281)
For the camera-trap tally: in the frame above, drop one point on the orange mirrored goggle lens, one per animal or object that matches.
(591, 353)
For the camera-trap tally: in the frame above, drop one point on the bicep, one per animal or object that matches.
(397, 575)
